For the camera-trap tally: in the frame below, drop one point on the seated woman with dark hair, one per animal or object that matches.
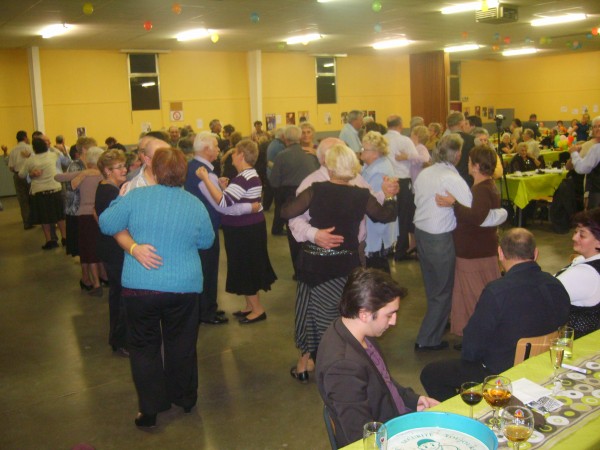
(162, 305)
(581, 278)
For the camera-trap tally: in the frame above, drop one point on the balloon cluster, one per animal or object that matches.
(574, 45)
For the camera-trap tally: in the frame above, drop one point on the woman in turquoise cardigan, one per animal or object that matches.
(174, 224)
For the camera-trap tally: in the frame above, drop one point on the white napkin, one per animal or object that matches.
(528, 391)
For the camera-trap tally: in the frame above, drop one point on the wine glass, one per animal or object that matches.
(497, 391)
(471, 393)
(557, 353)
(517, 424)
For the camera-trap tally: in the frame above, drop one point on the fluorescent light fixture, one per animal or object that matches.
(470, 6)
(55, 30)
(328, 65)
(303, 39)
(149, 84)
(393, 43)
(520, 51)
(190, 35)
(557, 20)
(461, 48)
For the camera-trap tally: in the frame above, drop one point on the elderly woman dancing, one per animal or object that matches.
(162, 305)
(322, 273)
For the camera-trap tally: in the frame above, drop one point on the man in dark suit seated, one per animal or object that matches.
(526, 302)
(353, 379)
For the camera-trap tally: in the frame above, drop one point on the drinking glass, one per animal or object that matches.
(471, 393)
(374, 436)
(567, 335)
(497, 391)
(557, 353)
(516, 423)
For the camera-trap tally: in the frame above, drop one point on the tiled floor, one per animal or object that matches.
(61, 385)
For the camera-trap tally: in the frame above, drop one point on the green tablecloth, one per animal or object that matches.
(522, 190)
(550, 156)
(584, 436)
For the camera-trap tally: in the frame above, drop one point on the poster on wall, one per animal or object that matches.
(328, 118)
(478, 111)
(372, 114)
(490, 112)
(290, 118)
(467, 112)
(484, 112)
(344, 117)
(80, 132)
(303, 116)
(271, 122)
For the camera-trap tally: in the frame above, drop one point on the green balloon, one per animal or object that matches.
(376, 6)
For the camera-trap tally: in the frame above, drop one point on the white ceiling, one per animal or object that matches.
(348, 26)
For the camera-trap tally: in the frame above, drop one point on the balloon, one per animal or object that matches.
(570, 139)
(176, 8)
(496, 36)
(589, 35)
(495, 47)
(254, 17)
(376, 6)
(147, 25)
(281, 46)
(569, 44)
(506, 40)
(464, 35)
(88, 9)
(595, 31)
(214, 38)
(377, 28)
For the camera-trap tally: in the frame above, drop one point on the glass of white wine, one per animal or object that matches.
(517, 424)
(557, 353)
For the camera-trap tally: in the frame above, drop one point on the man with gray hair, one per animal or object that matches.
(290, 167)
(206, 150)
(433, 231)
(147, 146)
(349, 132)
(590, 164)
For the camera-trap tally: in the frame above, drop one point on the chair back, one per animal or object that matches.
(330, 425)
(531, 346)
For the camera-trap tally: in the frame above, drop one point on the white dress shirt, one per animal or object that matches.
(400, 144)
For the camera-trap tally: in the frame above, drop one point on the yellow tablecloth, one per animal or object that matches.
(550, 156)
(522, 190)
(539, 370)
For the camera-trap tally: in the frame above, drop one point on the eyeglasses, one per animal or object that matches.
(118, 167)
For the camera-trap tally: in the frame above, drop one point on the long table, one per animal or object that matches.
(523, 189)
(579, 421)
(550, 156)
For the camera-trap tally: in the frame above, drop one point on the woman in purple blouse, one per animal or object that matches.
(248, 266)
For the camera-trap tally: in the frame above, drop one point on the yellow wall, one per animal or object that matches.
(542, 84)
(379, 83)
(15, 96)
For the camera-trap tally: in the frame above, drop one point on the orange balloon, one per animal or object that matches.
(147, 25)
(176, 8)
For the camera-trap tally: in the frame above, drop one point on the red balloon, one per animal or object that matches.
(507, 40)
(595, 31)
(147, 25)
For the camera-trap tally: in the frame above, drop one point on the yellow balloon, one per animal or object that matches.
(88, 9)
(214, 38)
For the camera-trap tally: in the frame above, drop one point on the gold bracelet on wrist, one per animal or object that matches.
(134, 245)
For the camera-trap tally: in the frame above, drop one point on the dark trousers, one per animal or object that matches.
(172, 320)
(406, 213)
(117, 335)
(210, 273)
(442, 379)
(267, 199)
(22, 190)
(280, 195)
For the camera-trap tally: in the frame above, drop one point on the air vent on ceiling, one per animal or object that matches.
(499, 14)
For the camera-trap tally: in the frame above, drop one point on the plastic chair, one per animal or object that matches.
(531, 346)
(330, 425)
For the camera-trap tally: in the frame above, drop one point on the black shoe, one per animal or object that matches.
(63, 242)
(217, 320)
(458, 346)
(120, 351)
(85, 287)
(241, 313)
(302, 377)
(246, 321)
(28, 226)
(431, 348)
(145, 420)
(104, 283)
(220, 312)
(50, 245)
(187, 409)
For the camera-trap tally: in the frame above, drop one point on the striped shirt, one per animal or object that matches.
(245, 188)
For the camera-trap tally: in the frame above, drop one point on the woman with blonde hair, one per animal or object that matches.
(435, 133)
(322, 273)
(307, 140)
(380, 236)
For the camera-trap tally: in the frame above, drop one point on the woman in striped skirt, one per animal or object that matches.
(322, 273)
